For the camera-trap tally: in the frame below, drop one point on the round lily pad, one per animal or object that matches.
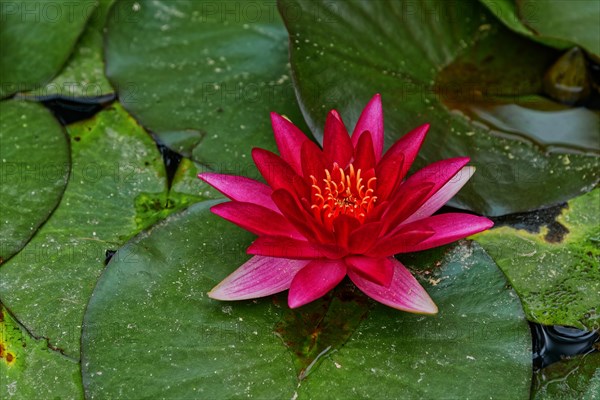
(30, 369)
(150, 307)
(203, 75)
(34, 166)
(557, 23)
(37, 39)
(83, 74)
(433, 62)
(555, 271)
(117, 175)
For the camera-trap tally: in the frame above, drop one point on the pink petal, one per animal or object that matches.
(398, 243)
(404, 293)
(364, 155)
(258, 277)
(396, 162)
(240, 188)
(314, 280)
(406, 205)
(448, 228)
(376, 270)
(412, 193)
(299, 217)
(278, 173)
(343, 226)
(363, 238)
(284, 247)
(313, 161)
(289, 139)
(371, 120)
(443, 195)
(337, 145)
(256, 219)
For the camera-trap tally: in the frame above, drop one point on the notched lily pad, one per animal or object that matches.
(30, 369)
(48, 283)
(574, 379)
(34, 167)
(462, 59)
(203, 75)
(479, 342)
(155, 287)
(83, 74)
(556, 276)
(153, 296)
(319, 328)
(37, 38)
(555, 23)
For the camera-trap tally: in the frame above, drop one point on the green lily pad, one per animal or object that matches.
(186, 182)
(34, 166)
(37, 38)
(150, 307)
(30, 369)
(557, 276)
(574, 379)
(428, 59)
(323, 326)
(154, 290)
(203, 75)
(477, 345)
(83, 74)
(556, 23)
(115, 168)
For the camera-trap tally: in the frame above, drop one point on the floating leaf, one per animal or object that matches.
(83, 75)
(115, 164)
(37, 38)
(555, 23)
(574, 379)
(150, 307)
(556, 271)
(30, 369)
(34, 165)
(478, 344)
(203, 75)
(323, 326)
(427, 59)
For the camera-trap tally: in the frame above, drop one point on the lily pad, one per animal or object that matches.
(186, 182)
(479, 343)
(574, 379)
(83, 74)
(434, 57)
(150, 307)
(116, 167)
(556, 275)
(559, 23)
(37, 39)
(203, 75)
(34, 166)
(29, 369)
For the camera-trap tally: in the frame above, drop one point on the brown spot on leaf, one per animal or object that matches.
(556, 232)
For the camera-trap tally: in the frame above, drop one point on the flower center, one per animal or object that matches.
(342, 193)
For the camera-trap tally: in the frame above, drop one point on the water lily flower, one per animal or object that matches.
(345, 209)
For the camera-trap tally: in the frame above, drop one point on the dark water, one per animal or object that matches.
(550, 343)
(69, 110)
(553, 343)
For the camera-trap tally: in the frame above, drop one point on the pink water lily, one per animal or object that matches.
(346, 209)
